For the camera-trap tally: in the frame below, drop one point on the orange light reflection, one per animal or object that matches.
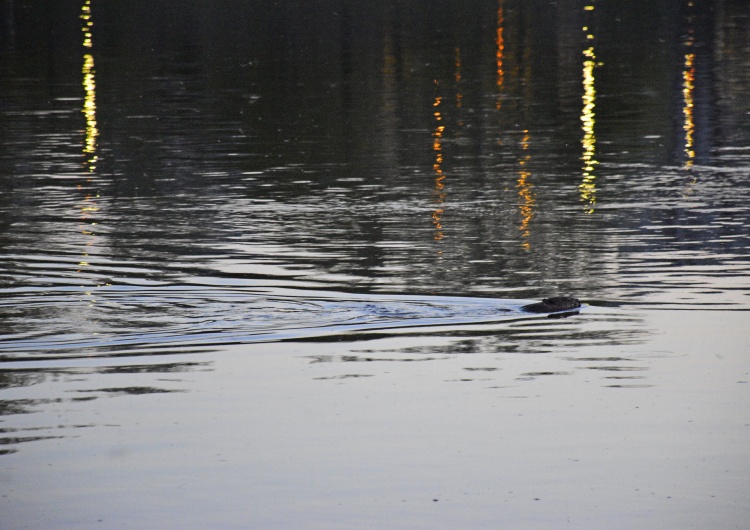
(688, 89)
(500, 50)
(437, 167)
(525, 192)
(457, 77)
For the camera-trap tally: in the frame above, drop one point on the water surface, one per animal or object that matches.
(263, 267)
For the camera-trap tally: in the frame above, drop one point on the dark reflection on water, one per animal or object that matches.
(151, 185)
(377, 183)
(68, 382)
(491, 151)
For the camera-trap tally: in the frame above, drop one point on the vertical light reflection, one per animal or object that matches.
(688, 88)
(89, 87)
(437, 167)
(438, 134)
(500, 58)
(89, 110)
(87, 23)
(457, 78)
(89, 205)
(688, 92)
(499, 51)
(587, 187)
(525, 192)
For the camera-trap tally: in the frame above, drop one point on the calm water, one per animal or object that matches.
(262, 267)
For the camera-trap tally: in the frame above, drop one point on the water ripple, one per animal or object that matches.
(120, 319)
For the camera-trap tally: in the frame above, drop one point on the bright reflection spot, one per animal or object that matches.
(438, 134)
(500, 51)
(89, 109)
(688, 89)
(437, 167)
(688, 98)
(89, 205)
(89, 87)
(457, 77)
(688, 93)
(87, 23)
(587, 187)
(525, 192)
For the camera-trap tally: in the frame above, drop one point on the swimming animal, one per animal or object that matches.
(553, 305)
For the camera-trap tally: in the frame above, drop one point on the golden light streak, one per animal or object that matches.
(688, 90)
(688, 100)
(89, 205)
(89, 87)
(587, 187)
(87, 24)
(437, 167)
(525, 192)
(89, 108)
(500, 45)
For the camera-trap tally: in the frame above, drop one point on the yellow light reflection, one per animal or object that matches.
(89, 109)
(688, 92)
(688, 99)
(88, 207)
(87, 24)
(437, 167)
(89, 87)
(525, 192)
(587, 187)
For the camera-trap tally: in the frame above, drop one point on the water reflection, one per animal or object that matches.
(437, 168)
(307, 168)
(587, 186)
(256, 193)
(89, 86)
(174, 320)
(525, 192)
(77, 385)
(457, 79)
(500, 51)
(90, 205)
(688, 89)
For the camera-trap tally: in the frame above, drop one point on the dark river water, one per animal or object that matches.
(262, 266)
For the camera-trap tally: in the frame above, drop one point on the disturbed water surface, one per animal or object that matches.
(264, 268)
